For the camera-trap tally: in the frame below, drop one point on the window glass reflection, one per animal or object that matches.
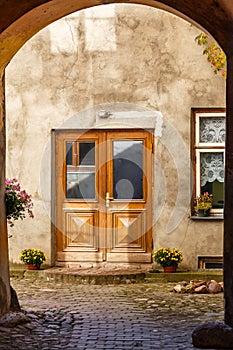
(87, 153)
(127, 169)
(68, 153)
(81, 185)
(80, 170)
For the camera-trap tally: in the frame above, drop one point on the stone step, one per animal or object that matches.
(106, 276)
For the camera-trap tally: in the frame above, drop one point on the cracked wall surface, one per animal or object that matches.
(122, 56)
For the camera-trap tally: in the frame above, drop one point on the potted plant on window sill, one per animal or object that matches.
(168, 258)
(203, 204)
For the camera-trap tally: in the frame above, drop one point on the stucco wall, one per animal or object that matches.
(130, 58)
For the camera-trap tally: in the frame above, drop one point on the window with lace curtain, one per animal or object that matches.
(208, 157)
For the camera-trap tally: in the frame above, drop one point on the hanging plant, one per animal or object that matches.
(214, 53)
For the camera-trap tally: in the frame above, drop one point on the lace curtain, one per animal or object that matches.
(212, 167)
(212, 130)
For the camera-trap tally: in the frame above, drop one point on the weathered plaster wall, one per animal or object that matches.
(112, 54)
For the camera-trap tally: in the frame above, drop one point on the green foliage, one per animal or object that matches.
(167, 257)
(214, 53)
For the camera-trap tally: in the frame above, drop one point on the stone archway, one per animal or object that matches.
(21, 21)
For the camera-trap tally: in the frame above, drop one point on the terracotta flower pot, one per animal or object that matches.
(169, 269)
(32, 267)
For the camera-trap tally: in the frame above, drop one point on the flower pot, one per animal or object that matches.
(203, 212)
(169, 269)
(32, 267)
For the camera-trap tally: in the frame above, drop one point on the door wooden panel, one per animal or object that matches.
(104, 182)
(80, 230)
(126, 231)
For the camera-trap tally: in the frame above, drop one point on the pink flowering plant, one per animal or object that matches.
(167, 257)
(18, 202)
(203, 202)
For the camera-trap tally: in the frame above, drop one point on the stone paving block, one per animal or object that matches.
(107, 317)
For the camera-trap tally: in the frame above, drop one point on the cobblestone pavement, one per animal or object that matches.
(130, 316)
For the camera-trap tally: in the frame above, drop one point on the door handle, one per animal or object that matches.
(107, 199)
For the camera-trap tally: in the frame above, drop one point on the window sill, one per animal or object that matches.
(210, 218)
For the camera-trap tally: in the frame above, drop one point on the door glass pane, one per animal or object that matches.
(80, 170)
(69, 153)
(80, 184)
(128, 169)
(87, 153)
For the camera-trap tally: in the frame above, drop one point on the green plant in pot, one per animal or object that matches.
(203, 204)
(34, 258)
(168, 258)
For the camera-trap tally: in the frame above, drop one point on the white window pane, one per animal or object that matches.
(212, 129)
(212, 167)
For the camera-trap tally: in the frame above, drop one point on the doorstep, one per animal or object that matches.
(117, 275)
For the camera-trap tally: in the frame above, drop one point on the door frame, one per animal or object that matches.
(150, 194)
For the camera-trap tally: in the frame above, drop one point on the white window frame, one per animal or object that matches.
(197, 125)
(204, 147)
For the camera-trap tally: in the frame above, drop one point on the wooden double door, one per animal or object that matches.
(104, 188)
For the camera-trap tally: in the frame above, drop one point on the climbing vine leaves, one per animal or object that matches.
(214, 53)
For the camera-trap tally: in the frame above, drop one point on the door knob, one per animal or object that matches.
(108, 198)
